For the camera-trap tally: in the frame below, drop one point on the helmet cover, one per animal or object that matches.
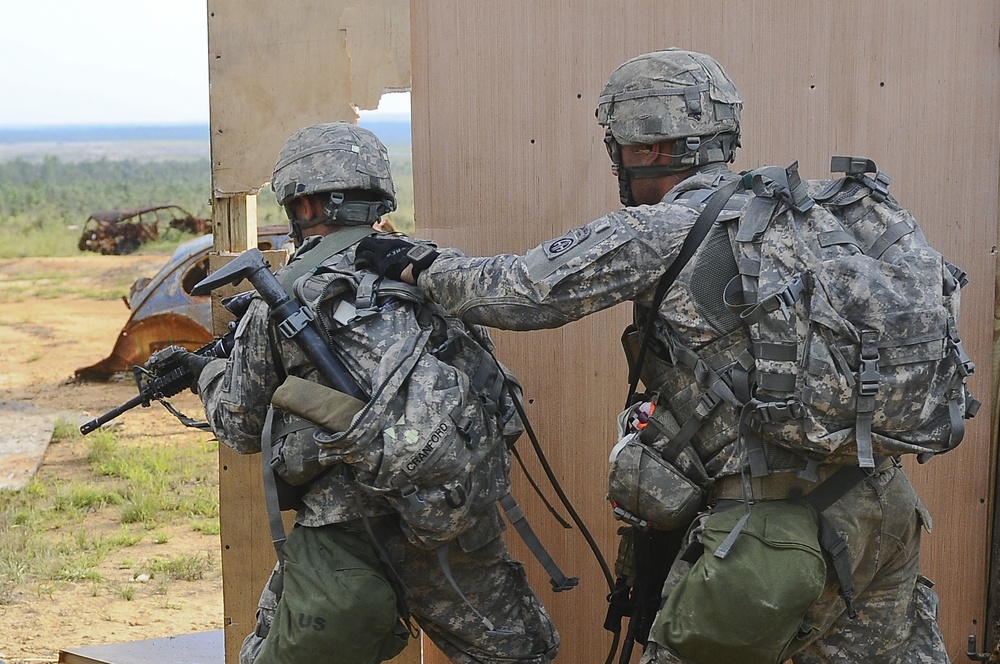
(666, 95)
(336, 156)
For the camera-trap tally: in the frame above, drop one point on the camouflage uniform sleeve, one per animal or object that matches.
(235, 393)
(617, 258)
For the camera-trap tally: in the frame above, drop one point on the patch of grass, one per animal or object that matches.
(184, 567)
(85, 497)
(65, 430)
(207, 526)
(47, 533)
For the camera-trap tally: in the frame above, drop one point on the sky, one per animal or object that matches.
(110, 62)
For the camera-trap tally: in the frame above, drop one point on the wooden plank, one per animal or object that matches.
(507, 153)
(25, 433)
(234, 222)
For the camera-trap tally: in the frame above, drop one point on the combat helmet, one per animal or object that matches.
(335, 157)
(671, 95)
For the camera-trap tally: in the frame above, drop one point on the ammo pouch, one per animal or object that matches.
(649, 484)
(749, 606)
(302, 406)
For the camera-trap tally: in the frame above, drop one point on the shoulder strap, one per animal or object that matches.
(331, 245)
(691, 243)
(274, 521)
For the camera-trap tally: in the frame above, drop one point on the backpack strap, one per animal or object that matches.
(515, 515)
(330, 245)
(822, 497)
(688, 248)
(274, 521)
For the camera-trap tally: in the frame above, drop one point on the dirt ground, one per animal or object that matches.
(42, 341)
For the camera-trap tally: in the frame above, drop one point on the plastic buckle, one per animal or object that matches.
(707, 403)
(626, 516)
(779, 411)
(868, 376)
(568, 583)
(412, 498)
(879, 186)
(296, 322)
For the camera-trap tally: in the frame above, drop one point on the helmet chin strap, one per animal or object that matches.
(338, 212)
(696, 153)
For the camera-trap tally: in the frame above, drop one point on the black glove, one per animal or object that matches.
(171, 357)
(389, 256)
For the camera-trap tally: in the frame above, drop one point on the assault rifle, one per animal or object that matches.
(171, 380)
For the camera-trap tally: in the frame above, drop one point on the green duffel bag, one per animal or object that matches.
(750, 606)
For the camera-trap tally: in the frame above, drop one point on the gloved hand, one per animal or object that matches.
(389, 256)
(171, 357)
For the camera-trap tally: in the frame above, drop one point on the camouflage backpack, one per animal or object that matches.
(853, 319)
(432, 439)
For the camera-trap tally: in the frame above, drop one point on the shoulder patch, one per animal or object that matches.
(563, 244)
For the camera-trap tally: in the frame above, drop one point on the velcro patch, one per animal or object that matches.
(563, 244)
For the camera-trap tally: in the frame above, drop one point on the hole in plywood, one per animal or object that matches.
(391, 123)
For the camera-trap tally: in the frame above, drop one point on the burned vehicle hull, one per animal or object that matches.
(124, 231)
(164, 312)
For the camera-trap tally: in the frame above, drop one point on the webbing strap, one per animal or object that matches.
(517, 519)
(835, 545)
(758, 216)
(867, 387)
(688, 248)
(274, 521)
(332, 244)
(821, 498)
(442, 556)
(753, 444)
(891, 235)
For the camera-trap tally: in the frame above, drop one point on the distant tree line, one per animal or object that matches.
(44, 203)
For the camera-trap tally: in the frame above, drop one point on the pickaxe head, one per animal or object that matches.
(242, 267)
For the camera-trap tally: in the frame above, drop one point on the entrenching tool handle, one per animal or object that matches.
(293, 320)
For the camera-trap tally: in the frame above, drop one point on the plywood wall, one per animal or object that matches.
(275, 67)
(507, 154)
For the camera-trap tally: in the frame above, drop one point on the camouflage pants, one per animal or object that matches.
(897, 610)
(501, 622)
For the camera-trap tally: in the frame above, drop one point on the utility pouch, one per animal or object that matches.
(646, 489)
(325, 407)
(300, 407)
(646, 486)
(749, 606)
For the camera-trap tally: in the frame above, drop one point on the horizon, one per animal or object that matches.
(394, 124)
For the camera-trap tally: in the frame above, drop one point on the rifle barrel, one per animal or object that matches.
(111, 414)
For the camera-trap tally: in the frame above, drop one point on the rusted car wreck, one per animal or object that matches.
(125, 230)
(164, 312)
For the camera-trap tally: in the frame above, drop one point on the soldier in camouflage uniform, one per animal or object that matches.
(347, 548)
(672, 126)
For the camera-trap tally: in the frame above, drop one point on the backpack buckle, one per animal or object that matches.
(296, 322)
(868, 376)
(779, 411)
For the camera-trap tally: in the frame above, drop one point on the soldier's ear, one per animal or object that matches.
(307, 208)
